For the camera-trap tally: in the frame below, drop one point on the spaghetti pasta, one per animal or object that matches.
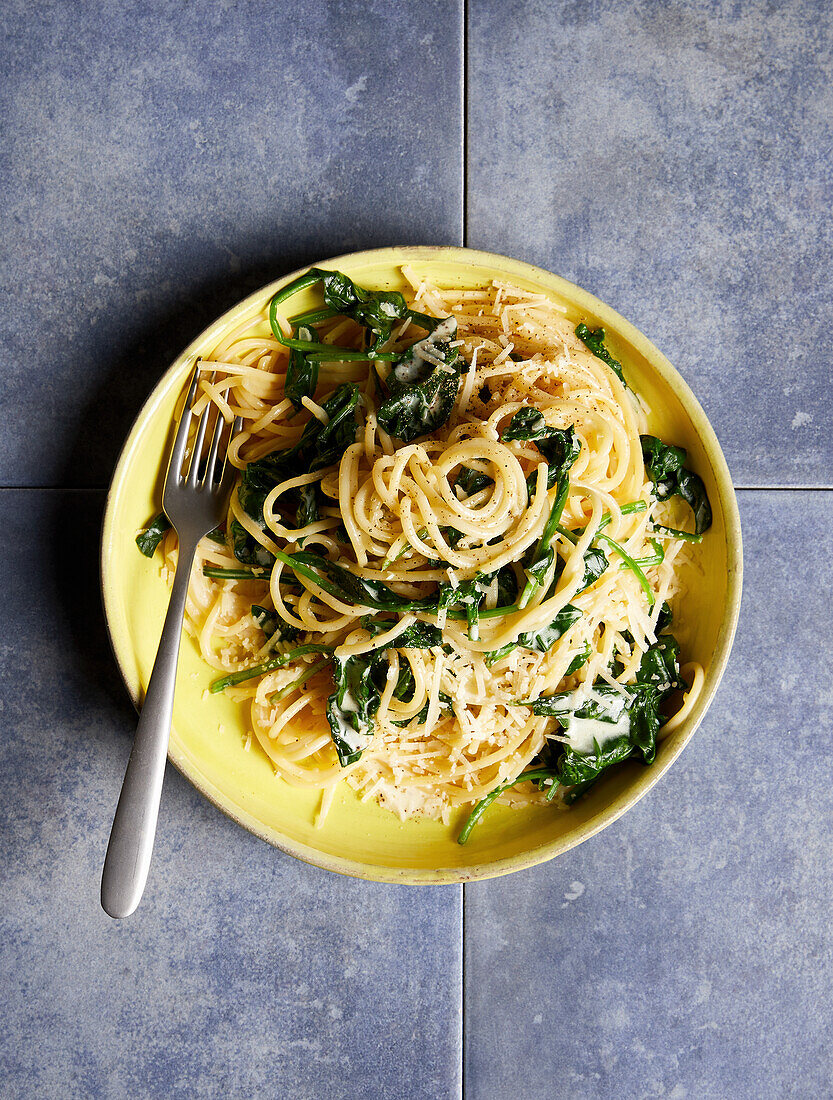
(447, 561)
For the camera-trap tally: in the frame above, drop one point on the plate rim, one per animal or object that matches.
(398, 255)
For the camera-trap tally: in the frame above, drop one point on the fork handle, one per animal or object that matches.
(127, 861)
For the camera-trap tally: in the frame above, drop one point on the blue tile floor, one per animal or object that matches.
(686, 948)
(158, 162)
(675, 160)
(687, 951)
(161, 162)
(247, 973)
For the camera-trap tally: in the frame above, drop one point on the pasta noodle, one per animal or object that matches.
(466, 504)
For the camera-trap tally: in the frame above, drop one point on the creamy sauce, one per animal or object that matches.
(412, 368)
(584, 733)
(354, 740)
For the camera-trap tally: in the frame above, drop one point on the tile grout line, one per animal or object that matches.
(462, 1077)
(464, 107)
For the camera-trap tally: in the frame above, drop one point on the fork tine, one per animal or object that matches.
(196, 454)
(181, 439)
(215, 446)
(229, 471)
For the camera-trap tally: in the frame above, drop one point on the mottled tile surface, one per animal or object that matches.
(677, 160)
(687, 951)
(244, 973)
(161, 161)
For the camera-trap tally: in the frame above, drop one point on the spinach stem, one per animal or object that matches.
(220, 572)
(423, 320)
(296, 286)
(388, 562)
(655, 558)
(266, 666)
(473, 617)
(315, 349)
(632, 565)
(326, 352)
(485, 803)
(626, 510)
(672, 532)
(547, 535)
(312, 317)
(276, 696)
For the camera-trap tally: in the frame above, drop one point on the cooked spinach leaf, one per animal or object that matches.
(221, 572)
(655, 558)
(247, 549)
(273, 626)
(674, 532)
(466, 594)
(472, 481)
(301, 373)
(418, 635)
(664, 618)
(595, 563)
(377, 311)
(307, 512)
(561, 449)
(559, 446)
(307, 674)
(507, 586)
(581, 658)
(405, 683)
(594, 339)
(360, 681)
(633, 565)
(256, 482)
(422, 385)
(605, 704)
(527, 423)
(541, 641)
(584, 768)
(462, 601)
(344, 585)
(278, 661)
(320, 445)
(626, 510)
(658, 675)
(353, 705)
(452, 536)
(148, 539)
(544, 557)
(217, 535)
(664, 464)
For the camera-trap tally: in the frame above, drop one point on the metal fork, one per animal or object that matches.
(194, 502)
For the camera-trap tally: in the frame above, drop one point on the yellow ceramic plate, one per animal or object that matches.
(207, 740)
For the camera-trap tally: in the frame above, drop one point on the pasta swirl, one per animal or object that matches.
(460, 577)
